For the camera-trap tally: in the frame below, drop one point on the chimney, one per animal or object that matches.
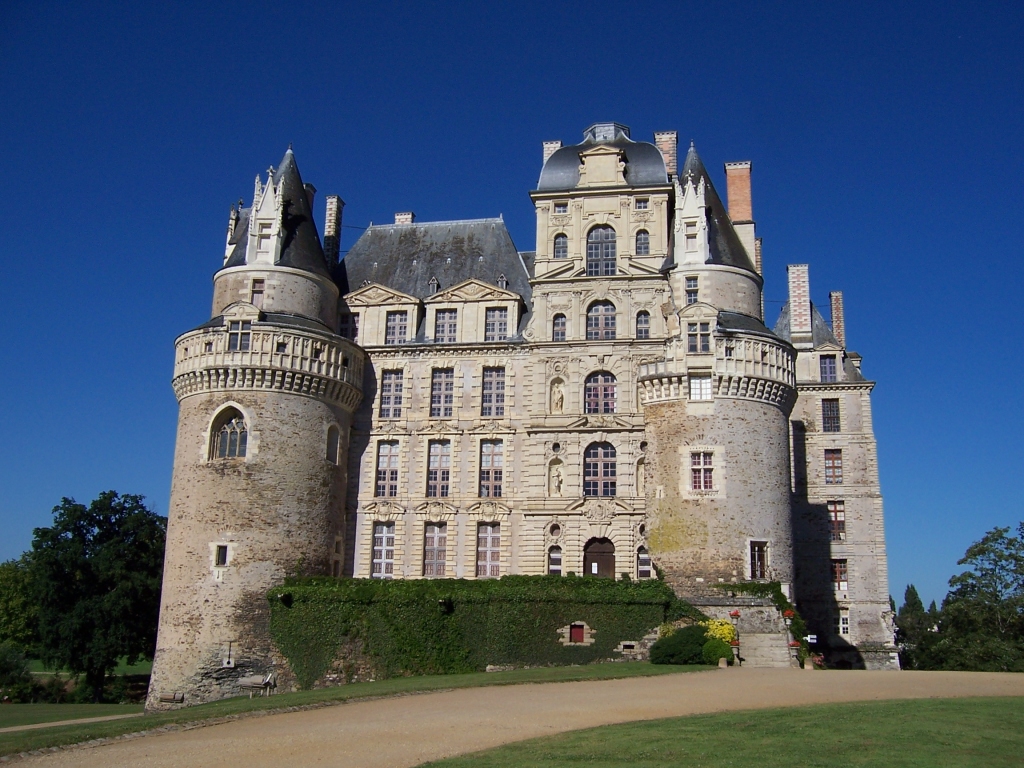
(332, 228)
(550, 147)
(737, 179)
(668, 143)
(799, 306)
(838, 321)
(406, 217)
(310, 194)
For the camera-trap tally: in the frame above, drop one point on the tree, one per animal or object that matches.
(17, 607)
(981, 623)
(95, 577)
(912, 626)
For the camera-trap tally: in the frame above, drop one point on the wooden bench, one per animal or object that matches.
(264, 686)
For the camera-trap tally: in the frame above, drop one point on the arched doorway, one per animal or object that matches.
(599, 558)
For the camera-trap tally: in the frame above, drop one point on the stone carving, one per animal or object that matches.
(555, 479)
(599, 510)
(557, 397)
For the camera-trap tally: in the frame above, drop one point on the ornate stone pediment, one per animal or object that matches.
(472, 290)
(598, 510)
(602, 166)
(489, 509)
(437, 510)
(387, 511)
(374, 294)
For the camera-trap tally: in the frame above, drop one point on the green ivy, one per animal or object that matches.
(444, 626)
(772, 590)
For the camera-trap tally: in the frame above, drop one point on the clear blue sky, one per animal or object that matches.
(886, 148)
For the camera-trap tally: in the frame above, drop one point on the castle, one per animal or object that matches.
(439, 404)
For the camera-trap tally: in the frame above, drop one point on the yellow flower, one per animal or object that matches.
(720, 628)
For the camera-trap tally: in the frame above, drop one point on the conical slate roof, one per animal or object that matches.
(726, 248)
(300, 246)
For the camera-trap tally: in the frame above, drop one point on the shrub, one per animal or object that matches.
(721, 629)
(715, 649)
(684, 646)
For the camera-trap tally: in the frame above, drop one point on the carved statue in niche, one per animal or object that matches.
(555, 479)
(557, 396)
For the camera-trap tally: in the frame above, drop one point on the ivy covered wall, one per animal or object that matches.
(442, 626)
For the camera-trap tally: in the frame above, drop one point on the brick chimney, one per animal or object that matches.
(838, 321)
(550, 147)
(406, 217)
(737, 179)
(668, 143)
(799, 306)
(332, 228)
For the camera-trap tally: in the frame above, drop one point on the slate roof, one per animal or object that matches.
(734, 321)
(821, 333)
(300, 246)
(404, 257)
(644, 164)
(725, 246)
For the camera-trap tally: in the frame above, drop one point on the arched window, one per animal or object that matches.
(643, 325)
(230, 436)
(333, 445)
(601, 251)
(555, 561)
(561, 250)
(599, 393)
(643, 563)
(601, 320)
(643, 243)
(599, 470)
(558, 328)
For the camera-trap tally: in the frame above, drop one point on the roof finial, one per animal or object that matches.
(691, 144)
(289, 146)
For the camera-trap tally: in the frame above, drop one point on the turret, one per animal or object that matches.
(266, 392)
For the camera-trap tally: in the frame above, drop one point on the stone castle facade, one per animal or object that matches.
(438, 404)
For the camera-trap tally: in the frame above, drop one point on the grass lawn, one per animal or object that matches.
(27, 714)
(21, 741)
(923, 733)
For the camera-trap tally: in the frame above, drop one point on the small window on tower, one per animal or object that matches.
(256, 293)
(561, 207)
(700, 386)
(691, 235)
(263, 236)
(698, 337)
(691, 290)
(642, 203)
(238, 336)
(222, 556)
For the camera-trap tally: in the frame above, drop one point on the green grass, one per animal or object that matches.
(27, 714)
(36, 667)
(923, 733)
(22, 741)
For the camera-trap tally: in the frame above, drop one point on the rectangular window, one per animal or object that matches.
(492, 401)
(844, 622)
(839, 576)
(700, 387)
(642, 203)
(558, 328)
(349, 326)
(222, 556)
(837, 520)
(827, 364)
(643, 325)
(382, 564)
(396, 329)
(830, 416)
(238, 336)
(833, 466)
(263, 236)
(691, 290)
(691, 235)
(256, 293)
(555, 561)
(439, 469)
(702, 472)
(387, 469)
(442, 393)
(488, 550)
(759, 559)
(435, 549)
(496, 324)
(492, 464)
(561, 207)
(445, 326)
(643, 564)
(698, 337)
(391, 395)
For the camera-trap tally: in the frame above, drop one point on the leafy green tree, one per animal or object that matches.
(17, 607)
(981, 623)
(95, 578)
(912, 626)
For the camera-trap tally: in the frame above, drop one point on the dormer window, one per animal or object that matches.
(502, 282)
(642, 203)
(433, 285)
(691, 236)
(239, 333)
(562, 207)
(263, 229)
(698, 337)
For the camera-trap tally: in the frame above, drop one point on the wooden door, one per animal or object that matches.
(599, 559)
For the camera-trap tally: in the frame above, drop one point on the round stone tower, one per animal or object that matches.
(266, 392)
(716, 411)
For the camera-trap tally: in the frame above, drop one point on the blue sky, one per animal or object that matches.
(885, 141)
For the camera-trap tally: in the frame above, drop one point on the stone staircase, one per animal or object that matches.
(764, 638)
